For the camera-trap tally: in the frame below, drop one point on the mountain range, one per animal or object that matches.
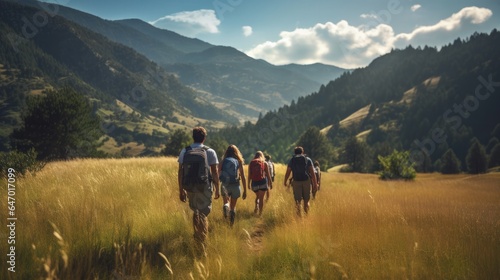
(145, 82)
(242, 86)
(142, 79)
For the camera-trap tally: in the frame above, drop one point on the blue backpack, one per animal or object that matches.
(229, 173)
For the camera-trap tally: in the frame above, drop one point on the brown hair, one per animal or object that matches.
(299, 150)
(199, 134)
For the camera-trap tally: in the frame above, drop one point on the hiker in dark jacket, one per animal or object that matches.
(304, 180)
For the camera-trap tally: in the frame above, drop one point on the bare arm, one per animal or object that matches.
(313, 178)
(249, 176)
(182, 192)
(243, 178)
(268, 175)
(287, 174)
(215, 178)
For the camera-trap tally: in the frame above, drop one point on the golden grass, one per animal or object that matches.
(355, 117)
(101, 219)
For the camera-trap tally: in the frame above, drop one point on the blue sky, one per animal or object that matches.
(343, 33)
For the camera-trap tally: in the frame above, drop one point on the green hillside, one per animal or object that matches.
(407, 94)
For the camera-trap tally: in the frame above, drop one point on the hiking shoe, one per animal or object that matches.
(232, 214)
(225, 210)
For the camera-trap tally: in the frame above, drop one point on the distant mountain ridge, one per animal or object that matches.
(137, 98)
(246, 96)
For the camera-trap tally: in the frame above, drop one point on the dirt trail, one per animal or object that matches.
(256, 235)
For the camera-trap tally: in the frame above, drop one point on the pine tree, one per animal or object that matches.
(495, 156)
(317, 146)
(59, 125)
(450, 164)
(477, 160)
(178, 140)
(356, 155)
(491, 144)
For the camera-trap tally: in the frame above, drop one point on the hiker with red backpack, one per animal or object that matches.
(259, 180)
(231, 171)
(197, 171)
(304, 180)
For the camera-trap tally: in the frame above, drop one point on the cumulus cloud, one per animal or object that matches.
(414, 8)
(349, 46)
(340, 44)
(247, 31)
(190, 23)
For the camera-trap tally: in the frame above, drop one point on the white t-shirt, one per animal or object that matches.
(211, 155)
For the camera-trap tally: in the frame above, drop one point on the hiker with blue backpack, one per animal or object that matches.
(304, 180)
(231, 172)
(259, 179)
(197, 176)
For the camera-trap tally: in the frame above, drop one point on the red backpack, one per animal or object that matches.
(257, 170)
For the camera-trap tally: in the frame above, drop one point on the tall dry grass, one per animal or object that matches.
(114, 219)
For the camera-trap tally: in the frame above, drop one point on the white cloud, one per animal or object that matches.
(445, 29)
(416, 7)
(340, 44)
(247, 31)
(349, 46)
(190, 23)
(369, 16)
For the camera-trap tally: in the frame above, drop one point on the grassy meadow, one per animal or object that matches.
(122, 219)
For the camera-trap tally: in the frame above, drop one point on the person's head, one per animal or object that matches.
(316, 163)
(259, 155)
(234, 152)
(268, 157)
(299, 150)
(199, 134)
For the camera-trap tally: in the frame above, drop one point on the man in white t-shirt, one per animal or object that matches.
(200, 201)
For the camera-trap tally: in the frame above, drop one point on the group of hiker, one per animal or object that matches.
(200, 174)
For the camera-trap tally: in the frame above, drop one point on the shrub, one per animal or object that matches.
(450, 164)
(477, 160)
(397, 166)
(20, 162)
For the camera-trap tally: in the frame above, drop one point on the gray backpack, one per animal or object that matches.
(196, 171)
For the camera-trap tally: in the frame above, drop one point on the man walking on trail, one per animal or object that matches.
(197, 176)
(302, 171)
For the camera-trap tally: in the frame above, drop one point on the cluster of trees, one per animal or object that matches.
(478, 160)
(359, 157)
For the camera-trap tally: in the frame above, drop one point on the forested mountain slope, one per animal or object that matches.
(409, 93)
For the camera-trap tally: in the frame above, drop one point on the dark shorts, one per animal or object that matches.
(259, 186)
